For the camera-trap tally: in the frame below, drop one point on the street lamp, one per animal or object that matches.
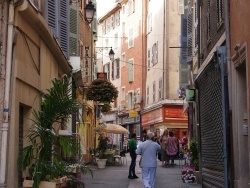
(89, 12)
(111, 52)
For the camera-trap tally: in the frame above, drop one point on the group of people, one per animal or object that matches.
(167, 145)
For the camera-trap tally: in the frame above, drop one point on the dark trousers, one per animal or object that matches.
(133, 163)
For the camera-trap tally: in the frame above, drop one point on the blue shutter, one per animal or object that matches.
(52, 15)
(74, 30)
(63, 21)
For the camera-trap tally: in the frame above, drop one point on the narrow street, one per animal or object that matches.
(117, 177)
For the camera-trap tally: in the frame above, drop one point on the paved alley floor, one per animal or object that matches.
(117, 177)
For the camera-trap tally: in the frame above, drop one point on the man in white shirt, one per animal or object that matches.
(148, 150)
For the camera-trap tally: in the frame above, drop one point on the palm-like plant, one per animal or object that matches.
(42, 154)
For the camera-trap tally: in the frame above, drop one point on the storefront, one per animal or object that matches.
(169, 117)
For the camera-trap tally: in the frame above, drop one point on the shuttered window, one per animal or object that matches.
(74, 30)
(147, 99)
(154, 91)
(131, 70)
(131, 38)
(160, 89)
(189, 36)
(58, 21)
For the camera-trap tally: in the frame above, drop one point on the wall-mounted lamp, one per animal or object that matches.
(89, 12)
(111, 52)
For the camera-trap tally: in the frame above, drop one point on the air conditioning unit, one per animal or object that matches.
(138, 99)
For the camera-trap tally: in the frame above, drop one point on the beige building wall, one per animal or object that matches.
(35, 64)
(165, 32)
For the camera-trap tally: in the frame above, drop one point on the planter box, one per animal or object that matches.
(43, 184)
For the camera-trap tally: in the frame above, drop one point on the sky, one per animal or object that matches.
(103, 6)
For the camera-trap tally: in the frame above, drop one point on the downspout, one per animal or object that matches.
(199, 123)
(164, 43)
(227, 98)
(5, 126)
(228, 46)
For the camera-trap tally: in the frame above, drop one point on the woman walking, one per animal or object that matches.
(172, 147)
(163, 143)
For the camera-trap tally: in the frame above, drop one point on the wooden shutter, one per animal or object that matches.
(64, 26)
(74, 30)
(189, 36)
(52, 12)
(131, 38)
(131, 70)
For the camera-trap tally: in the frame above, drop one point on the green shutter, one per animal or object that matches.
(74, 47)
(63, 20)
(131, 70)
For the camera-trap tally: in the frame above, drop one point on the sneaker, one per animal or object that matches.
(131, 177)
(135, 176)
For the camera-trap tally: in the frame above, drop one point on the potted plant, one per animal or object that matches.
(102, 156)
(195, 158)
(42, 156)
(102, 91)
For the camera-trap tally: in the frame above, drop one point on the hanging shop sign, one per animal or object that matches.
(133, 113)
(190, 95)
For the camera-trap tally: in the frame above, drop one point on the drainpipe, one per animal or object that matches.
(227, 99)
(228, 45)
(5, 126)
(164, 43)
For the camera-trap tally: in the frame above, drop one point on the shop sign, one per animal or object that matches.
(133, 114)
(190, 95)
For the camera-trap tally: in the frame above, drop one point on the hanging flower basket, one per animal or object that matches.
(102, 91)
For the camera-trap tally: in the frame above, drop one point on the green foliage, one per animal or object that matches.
(43, 154)
(106, 107)
(102, 91)
(195, 153)
(102, 147)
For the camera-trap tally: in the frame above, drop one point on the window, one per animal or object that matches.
(117, 66)
(123, 61)
(219, 12)
(57, 15)
(131, 38)
(154, 91)
(131, 70)
(117, 18)
(160, 89)
(104, 27)
(74, 30)
(123, 9)
(147, 100)
(208, 22)
(112, 21)
(106, 69)
(149, 23)
(123, 29)
(112, 70)
(123, 94)
(116, 41)
(155, 54)
(131, 7)
(130, 100)
(108, 24)
(148, 60)
(180, 6)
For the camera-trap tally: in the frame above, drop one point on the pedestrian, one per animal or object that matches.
(148, 150)
(172, 147)
(144, 135)
(163, 143)
(132, 147)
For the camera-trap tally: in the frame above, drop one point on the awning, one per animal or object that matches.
(111, 128)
